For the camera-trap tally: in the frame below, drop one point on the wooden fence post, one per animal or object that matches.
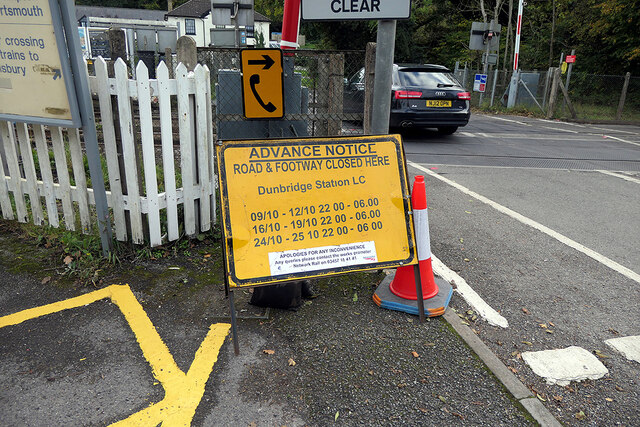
(623, 95)
(369, 77)
(554, 92)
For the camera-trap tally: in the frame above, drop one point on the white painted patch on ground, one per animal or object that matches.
(468, 294)
(561, 366)
(629, 347)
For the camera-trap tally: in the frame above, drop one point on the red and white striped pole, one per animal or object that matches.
(290, 25)
(518, 31)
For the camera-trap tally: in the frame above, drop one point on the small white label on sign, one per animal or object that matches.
(322, 258)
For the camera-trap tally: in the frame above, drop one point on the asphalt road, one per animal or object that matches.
(542, 220)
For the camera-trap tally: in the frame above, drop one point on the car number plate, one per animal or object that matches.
(438, 103)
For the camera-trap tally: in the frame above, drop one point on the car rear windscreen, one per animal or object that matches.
(426, 79)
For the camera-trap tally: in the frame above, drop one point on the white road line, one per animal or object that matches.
(507, 120)
(484, 135)
(558, 129)
(615, 130)
(564, 123)
(467, 134)
(629, 347)
(627, 272)
(622, 140)
(470, 296)
(619, 175)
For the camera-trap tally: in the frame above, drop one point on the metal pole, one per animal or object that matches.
(132, 52)
(566, 85)
(493, 86)
(81, 82)
(234, 322)
(385, 45)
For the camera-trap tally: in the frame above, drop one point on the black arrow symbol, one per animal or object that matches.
(56, 73)
(267, 62)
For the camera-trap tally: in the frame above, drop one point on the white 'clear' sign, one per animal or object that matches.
(344, 10)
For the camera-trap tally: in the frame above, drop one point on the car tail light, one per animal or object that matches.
(407, 94)
(466, 96)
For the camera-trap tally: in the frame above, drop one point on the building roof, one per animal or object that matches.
(119, 13)
(201, 8)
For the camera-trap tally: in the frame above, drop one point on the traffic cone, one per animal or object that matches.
(404, 282)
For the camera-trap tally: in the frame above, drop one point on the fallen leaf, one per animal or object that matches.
(457, 415)
(608, 399)
(461, 240)
(68, 260)
(292, 362)
(207, 255)
(619, 388)
(466, 260)
(525, 311)
(442, 399)
(601, 354)
(543, 325)
(464, 323)
(549, 331)
(540, 397)
(269, 351)
(415, 354)
(336, 417)
(355, 297)
(527, 343)
(424, 410)
(512, 369)
(552, 324)
(469, 311)
(84, 358)
(557, 398)
(402, 385)
(46, 280)
(580, 415)
(467, 212)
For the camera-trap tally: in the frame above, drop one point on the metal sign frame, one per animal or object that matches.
(62, 34)
(231, 277)
(356, 17)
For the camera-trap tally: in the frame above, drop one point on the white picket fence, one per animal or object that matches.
(133, 194)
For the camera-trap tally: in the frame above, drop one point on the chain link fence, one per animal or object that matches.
(317, 99)
(593, 96)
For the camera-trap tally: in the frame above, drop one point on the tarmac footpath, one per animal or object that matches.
(149, 349)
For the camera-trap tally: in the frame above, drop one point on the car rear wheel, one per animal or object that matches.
(447, 130)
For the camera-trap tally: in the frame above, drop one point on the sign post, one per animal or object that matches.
(386, 12)
(43, 81)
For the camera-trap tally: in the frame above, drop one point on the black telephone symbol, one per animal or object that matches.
(254, 80)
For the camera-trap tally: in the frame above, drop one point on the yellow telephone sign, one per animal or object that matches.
(262, 83)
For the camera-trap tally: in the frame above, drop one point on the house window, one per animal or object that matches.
(190, 27)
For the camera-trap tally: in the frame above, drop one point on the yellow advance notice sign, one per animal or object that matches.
(313, 207)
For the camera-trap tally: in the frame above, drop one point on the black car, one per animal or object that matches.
(421, 96)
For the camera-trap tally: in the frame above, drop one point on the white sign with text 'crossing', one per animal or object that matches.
(344, 10)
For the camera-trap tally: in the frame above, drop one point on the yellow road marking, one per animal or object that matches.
(183, 392)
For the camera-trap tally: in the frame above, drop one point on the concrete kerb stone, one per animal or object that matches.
(535, 408)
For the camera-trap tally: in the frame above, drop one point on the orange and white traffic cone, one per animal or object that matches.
(404, 282)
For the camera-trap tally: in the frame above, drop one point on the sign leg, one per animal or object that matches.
(416, 271)
(234, 325)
